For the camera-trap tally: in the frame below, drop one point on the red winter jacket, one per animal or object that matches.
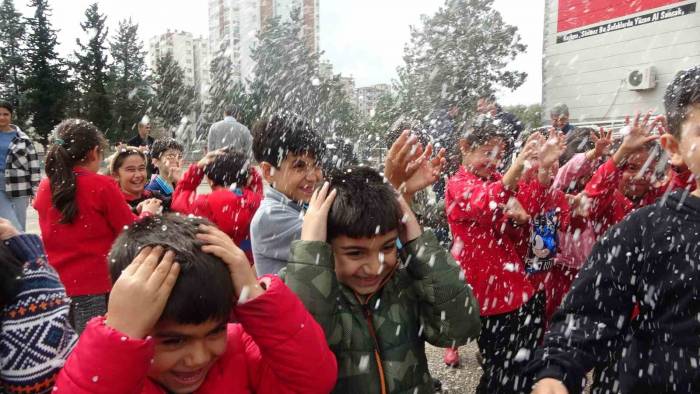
(230, 211)
(276, 348)
(482, 245)
(609, 206)
(78, 251)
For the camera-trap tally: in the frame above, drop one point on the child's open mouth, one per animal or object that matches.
(189, 378)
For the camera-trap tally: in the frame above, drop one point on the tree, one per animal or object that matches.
(530, 116)
(456, 56)
(128, 84)
(174, 99)
(91, 70)
(45, 84)
(12, 61)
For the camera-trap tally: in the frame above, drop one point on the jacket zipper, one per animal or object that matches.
(377, 357)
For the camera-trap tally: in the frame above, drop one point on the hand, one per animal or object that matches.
(139, 296)
(402, 153)
(7, 230)
(515, 212)
(409, 229)
(152, 206)
(208, 158)
(315, 227)
(638, 135)
(527, 154)
(552, 149)
(580, 204)
(603, 142)
(425, 170)
(549, 386)
(218, 243)
(175, 171)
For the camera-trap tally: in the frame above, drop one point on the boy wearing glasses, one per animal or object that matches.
(166, 156)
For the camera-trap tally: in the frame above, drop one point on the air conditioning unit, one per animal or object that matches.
(642, 79)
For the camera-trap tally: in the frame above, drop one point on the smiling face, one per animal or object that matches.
(185, 353)
(363, 264)
(484, 159)
(132, 175)
(636, 177)
(296, 177)
(685, 151)
(167, 160)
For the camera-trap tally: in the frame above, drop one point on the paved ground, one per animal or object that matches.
(462, 380)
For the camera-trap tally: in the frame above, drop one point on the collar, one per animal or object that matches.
(274, 194)
(229, 119)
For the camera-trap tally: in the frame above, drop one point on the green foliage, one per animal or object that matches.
(45, 84)
(12, 53)
(530, 116)
(173, 98)
(129, 87)
(457, 55)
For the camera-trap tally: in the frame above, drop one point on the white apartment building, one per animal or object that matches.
(190, 53)
(368, 97)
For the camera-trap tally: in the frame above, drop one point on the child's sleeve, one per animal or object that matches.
(117, 211)
(574, 169)
(34, 167)
(601, 188)
(43, 313)
(310, 274)
(449, 312)
(106, 361)
(289, 352)
(186, 190)
(591, 323)
(480, 202)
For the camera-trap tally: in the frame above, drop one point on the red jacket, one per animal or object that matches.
(482, 244)
(609, 206)
(78, 251)
(231, 212)
(276, 348)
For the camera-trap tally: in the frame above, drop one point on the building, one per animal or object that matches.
(234, 26)
(368, 98)
(607, 58)
(191, 54)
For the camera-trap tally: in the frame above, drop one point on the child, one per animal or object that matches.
(376, 312)
(289, 153)
(167, 159)
(647, 259)
(236, 194)
(166, 328)
(511, 308)
(80, 215)
(128, 167)
(35, 335)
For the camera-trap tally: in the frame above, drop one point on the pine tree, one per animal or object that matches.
(12, 61)
(91, 70)
(173, 98)
(128, 83)
(45, 84)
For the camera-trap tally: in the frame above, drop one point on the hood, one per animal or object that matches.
(683, 202)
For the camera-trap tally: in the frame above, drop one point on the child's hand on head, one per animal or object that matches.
(152, 206)
(409, 229)
(218, 243)
(7, 230)
(208, 158)
(138, 297)
(637, 134)
(315, 227)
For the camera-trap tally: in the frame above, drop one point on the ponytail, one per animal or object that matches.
(73, 140)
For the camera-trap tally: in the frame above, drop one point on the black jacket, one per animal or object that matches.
(651, 258)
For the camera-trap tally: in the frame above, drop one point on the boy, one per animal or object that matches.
(377, 313)
(647, 259)
(289, 153)
(478, 200)
(166, 156)
(236, 192)
(177, 280)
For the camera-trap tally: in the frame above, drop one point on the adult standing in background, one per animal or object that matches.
(229, 132)
(559, 114)
(144, 140)
(21, 169)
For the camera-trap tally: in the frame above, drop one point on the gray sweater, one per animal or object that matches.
(275, 225)
(228, 132)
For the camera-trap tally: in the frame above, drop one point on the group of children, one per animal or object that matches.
(328, 282)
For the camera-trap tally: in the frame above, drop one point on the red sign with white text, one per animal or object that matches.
(577, 13)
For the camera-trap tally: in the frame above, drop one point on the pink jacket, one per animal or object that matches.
(276, 348)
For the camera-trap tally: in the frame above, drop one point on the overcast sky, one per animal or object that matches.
(362, 38)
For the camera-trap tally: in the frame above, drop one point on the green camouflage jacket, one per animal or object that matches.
(382, 342)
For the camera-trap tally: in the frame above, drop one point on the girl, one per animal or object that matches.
(80, 215)
(128, 166)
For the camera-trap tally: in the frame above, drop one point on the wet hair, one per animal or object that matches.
(10, 275)
(578, 141)
(7, 106)
(163, 145)
(481, 130)
(228, 168)
(120, 157)
(73, 140)
(681, 95)
(203, 290)
(283, 134)
(364, 206)
(559, 110)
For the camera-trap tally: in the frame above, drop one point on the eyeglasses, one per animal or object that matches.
(172, 156)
